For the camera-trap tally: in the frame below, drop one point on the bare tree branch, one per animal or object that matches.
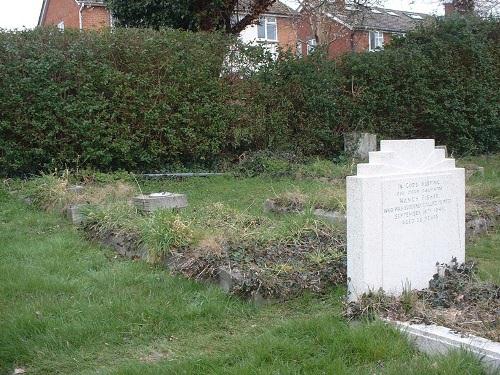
(252, 13)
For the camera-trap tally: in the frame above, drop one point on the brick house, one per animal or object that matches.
(75, 14)
(352, 28)
(275, 28)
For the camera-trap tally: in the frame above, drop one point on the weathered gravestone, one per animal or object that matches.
(405, 215)
(359, 145)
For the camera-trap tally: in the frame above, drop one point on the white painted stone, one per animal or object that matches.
(405, 215)
(433, 340)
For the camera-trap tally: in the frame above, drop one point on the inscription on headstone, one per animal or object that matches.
(405, 213)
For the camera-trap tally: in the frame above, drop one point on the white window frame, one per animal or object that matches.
(264, 21)
(60, 26)
(379, 41)
(311, 45)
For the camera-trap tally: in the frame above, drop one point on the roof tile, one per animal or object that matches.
(382, 19)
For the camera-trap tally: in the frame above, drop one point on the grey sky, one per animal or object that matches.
(24, 13)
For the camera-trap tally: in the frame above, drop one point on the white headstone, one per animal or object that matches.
(405, 215)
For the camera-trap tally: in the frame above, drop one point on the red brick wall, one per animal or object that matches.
(337, 36)
(361, 41)
(95, 18)
(68, 11)
(387, 38)
(287, 33)
(62, 10)
(340, 39)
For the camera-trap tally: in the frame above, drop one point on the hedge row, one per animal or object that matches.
(156, 100)
(132, 99)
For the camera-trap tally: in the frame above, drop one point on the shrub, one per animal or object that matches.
(129, 99)
(144, 100)
(301, 105)
(440, 81)
(267, 163)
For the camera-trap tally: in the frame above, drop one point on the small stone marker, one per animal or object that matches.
(74, 214)
(359, 145)
(405, 214)
(156, 201)
(76, 189)
(334, 217)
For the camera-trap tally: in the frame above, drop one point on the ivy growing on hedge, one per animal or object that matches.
(153, 100)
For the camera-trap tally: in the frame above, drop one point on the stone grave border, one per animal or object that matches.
(433, 340)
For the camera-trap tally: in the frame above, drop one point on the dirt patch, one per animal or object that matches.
(457, 299)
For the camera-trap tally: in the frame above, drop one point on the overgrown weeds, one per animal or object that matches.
(164, 232)
(457, 299)
(56, 191)
(279, 165)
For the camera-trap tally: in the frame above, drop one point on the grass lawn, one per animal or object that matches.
(69, 307)
(486, 250)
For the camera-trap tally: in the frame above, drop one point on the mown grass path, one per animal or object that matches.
(71, 307)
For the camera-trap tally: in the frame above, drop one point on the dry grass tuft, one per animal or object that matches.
(211, 246)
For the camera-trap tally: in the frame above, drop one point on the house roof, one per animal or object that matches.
(277, 8)
(376, 18)
(91, 2)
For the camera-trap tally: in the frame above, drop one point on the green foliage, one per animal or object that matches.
(144, 100)
(266, 163)
(440, 81)
(164, 232)
(155, 14)
(299, 105)
(129, 99)
(194, 15)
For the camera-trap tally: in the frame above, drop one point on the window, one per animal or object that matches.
(60, 25)
(298, 49)
(376, 41)
(267, 29)
(311, 45)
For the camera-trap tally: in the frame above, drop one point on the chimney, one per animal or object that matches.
(449, 8)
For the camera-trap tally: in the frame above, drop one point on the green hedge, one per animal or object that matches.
(155, 100)
(132, 99)
(441, 81)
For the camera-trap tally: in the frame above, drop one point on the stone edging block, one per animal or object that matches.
(434, 339)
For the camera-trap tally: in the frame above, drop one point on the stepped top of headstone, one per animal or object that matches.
(404, 157)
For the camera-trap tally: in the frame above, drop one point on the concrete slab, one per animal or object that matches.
(156, 201)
